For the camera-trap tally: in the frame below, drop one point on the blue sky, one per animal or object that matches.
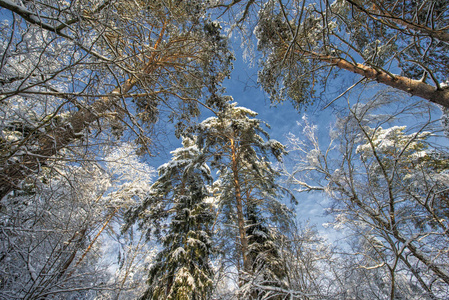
(282, 118)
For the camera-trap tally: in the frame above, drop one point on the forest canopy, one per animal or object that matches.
(93, 93)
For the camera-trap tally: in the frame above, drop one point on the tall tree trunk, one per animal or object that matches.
(239, 204)
(13, 173)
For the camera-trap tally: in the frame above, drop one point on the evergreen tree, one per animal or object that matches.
(69, 71)
(249, 197)
(302, 41)
(182, 269)
(268, 269)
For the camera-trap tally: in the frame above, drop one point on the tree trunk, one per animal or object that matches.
(239, 203)
(13, 173)
(413, 87)
(109, 218)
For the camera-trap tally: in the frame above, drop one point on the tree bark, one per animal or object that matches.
(13, 173)
(413, 87)
(239, 206)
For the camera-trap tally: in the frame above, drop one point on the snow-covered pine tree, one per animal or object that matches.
(249, 196)
(182, 269)
(268, 268)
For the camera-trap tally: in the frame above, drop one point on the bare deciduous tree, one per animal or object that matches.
(389, 185)
(56, 232)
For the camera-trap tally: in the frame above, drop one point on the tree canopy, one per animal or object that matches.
(95, 93)
(402, 44)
